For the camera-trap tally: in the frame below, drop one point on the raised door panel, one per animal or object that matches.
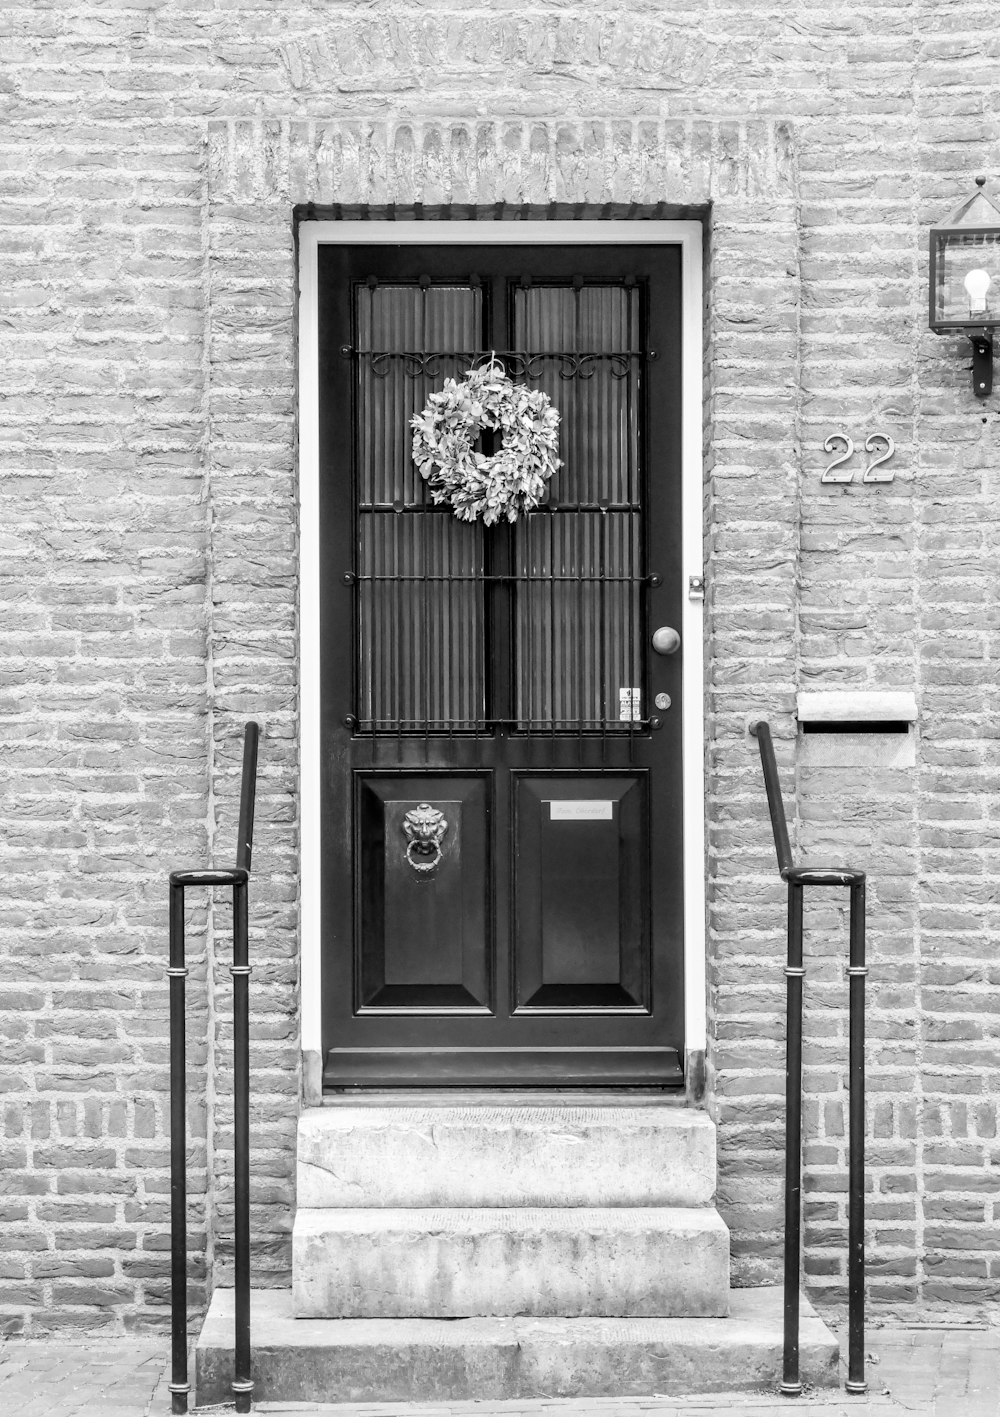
(580, 884)
(423, 939)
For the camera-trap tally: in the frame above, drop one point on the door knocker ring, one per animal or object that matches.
(424, 827)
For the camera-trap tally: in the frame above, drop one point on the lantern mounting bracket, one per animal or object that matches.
(982, 364)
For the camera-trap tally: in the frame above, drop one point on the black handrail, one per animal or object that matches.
(797, 878)
(774, 803)
(238, 878)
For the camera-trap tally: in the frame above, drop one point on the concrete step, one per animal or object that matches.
(552, 1261)
(506, 1359)
(507, 1155)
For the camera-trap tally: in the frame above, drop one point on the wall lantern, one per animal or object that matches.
(965, 280)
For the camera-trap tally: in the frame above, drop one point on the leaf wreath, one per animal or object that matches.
(506, 483)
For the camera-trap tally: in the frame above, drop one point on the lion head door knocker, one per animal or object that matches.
(424, 827)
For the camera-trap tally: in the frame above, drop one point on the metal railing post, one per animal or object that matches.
(176, 972)
(242, 1385)
(794, 975)
(857, 971)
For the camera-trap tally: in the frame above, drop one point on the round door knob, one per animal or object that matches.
(666, 640)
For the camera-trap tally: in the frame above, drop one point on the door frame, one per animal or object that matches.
(689, 236)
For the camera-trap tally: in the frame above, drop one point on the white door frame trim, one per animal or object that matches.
(688, 235)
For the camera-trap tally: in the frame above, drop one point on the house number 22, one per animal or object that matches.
(830, 473)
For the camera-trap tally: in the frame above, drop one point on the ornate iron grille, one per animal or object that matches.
(530, 627)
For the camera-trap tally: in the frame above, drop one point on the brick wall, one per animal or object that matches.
(149, 161)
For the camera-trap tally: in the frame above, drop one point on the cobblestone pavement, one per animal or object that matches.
(101, 1377)
(930, 1371)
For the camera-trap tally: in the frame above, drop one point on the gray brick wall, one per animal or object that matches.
(149, 161)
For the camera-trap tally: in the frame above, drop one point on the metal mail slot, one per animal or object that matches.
(860, 728)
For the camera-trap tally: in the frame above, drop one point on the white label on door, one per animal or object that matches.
(629, 706)
(581, 809)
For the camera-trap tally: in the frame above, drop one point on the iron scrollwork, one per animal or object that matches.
(424, 828)
(519, 363)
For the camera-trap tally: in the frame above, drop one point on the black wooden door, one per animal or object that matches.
(501, 795)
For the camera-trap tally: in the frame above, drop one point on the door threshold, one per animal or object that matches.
(507, 1096)
(519, 1069)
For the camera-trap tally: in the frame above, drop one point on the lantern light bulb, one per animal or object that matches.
(977, 283)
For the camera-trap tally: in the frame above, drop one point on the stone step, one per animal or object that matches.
(506, 1359)
(507, 1155)
(552, 1261)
